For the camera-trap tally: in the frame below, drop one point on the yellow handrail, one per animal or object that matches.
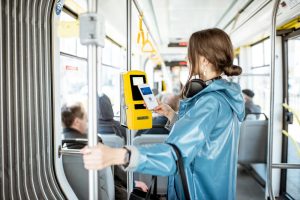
(141, 34)
(146, 44)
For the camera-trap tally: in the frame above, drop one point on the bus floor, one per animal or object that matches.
(247, 187)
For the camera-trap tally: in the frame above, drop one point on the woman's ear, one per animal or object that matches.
(201, 60)
(204, 61)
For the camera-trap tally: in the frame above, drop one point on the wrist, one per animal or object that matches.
(120, 155)
(170, 115)
(127, 157)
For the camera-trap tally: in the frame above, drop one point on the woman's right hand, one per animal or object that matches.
(165, 110)
(101, 156)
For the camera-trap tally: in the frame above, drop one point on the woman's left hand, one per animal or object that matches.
(165, 110)
(101, 156)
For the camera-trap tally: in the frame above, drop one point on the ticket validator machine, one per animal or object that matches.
(134, 115)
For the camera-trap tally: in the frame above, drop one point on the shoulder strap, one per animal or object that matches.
(181, 172)
(153, 187)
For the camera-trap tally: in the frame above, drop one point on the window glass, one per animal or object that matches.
(110, 85)
(73, 80)
(107, 53)
(261, 54)
(81, 49)
(258, 81)
(74, 69)
(67, 44)
(116, 56)
(113, 63)
(293, 176)
(257, 55)
(257, 78)
(267, 52)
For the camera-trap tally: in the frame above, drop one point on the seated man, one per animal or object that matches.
(74, 119)
(250, 107)
(173, 101)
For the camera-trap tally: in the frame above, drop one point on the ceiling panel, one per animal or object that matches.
(186, 17)
(178, 19)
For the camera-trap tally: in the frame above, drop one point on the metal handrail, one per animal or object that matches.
(92, 102)
(66, 151)
(257, 113)
(271, 121)
(285, 166)
(129, 133)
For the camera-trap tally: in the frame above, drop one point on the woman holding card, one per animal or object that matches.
(205, 130)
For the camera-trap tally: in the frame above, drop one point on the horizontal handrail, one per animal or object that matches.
(65, 151)
(285, 166)
(257, 113)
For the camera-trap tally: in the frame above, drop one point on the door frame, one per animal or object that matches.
(286, 36)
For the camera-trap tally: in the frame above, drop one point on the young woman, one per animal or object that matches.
(206, 129)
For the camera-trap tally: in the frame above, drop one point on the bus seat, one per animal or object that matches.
(112, 140)
(253, 141)
(145, 139)
(78, 178)
(111, 135)
(149, 139)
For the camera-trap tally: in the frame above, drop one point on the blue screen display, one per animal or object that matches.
(146, 90)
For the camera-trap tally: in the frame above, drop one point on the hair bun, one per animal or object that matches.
(233, 70)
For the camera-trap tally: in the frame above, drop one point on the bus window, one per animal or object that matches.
(113, 63)
(257, 78)
(293, 176)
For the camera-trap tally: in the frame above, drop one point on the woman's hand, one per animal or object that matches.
(165, 110)
(102, 156)
(141, 185)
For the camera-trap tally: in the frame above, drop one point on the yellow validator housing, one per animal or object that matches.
(134, 115)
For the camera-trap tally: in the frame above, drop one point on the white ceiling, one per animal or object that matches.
(176, 20)
(170, 20)
(186, 17)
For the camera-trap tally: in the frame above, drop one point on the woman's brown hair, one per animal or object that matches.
(69, 113)
(215, 45)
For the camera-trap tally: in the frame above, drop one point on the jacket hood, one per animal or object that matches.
(104, 108)
(230, 91)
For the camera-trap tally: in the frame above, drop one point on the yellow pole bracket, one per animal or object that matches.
(286, 106)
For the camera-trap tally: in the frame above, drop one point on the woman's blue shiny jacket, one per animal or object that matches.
(207, 133)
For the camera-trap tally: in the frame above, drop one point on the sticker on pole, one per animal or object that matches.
(59, 6)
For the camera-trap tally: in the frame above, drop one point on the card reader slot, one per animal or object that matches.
(139, 106)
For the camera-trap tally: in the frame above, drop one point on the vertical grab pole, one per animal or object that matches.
(92, 104)
(129, 133)
(271, 120)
